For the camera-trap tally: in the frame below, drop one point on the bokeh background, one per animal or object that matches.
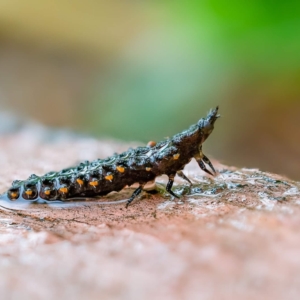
(144, 70)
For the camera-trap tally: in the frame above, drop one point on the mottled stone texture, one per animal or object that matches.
(235, 236)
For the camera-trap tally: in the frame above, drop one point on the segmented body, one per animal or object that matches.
(102, 176)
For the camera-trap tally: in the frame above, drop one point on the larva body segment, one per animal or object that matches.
(143, 164)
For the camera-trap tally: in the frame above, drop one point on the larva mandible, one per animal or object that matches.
(141, 165)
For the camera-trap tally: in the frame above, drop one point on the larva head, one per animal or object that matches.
(206, 125)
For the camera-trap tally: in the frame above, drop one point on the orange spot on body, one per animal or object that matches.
(79, 181)
(120, 169)
(151, 144)
(64, 190)
(47, 192)
(176, 156)
(28, 192)
(109, 177)
(93, 183)
(14, 195)
(148, 169)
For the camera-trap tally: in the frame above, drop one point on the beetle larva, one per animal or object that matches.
(140, 165)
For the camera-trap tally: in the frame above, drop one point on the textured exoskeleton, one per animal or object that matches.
(141, 165)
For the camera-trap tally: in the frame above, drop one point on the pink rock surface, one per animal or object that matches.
(235, 236)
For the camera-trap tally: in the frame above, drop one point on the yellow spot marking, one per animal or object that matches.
(176, 156)
(79, 181)
(148, 169)
(14, 195)
(121, 169)
(28, 192)
(109, 177)
(47, 192)
(93, 183)
(64, 190)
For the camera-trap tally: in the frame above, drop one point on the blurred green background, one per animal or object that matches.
(143, 70)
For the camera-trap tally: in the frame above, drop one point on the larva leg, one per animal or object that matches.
(201, 159)
(207, 161)
(135, 194)
(182, 175)
(202, 166)
(170, 184)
